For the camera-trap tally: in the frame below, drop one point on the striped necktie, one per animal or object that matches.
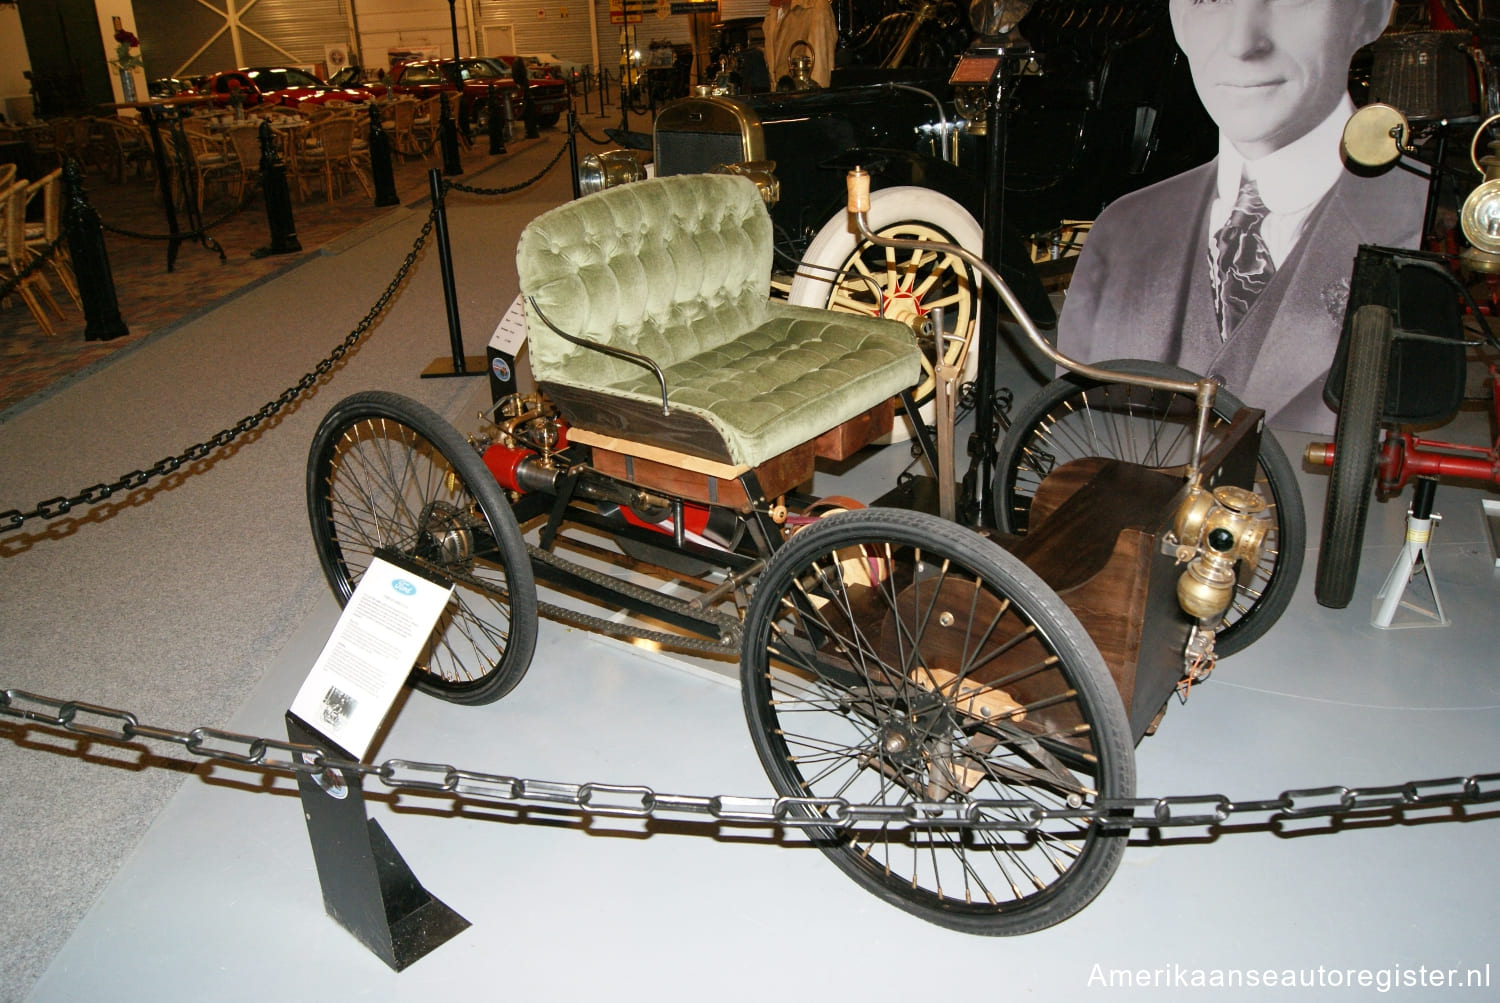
(1243, 266)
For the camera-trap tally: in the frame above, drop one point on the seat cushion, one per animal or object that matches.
(792, 378)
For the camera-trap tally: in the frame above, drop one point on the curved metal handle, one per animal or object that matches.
(640, 360)
(1203, 391)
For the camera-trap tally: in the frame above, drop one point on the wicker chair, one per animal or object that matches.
(329, 155)
(14, 258)
(126, 144)
(40, 236)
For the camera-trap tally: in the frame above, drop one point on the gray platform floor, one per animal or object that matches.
(220, 899)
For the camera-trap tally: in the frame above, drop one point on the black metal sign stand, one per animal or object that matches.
(367, 886)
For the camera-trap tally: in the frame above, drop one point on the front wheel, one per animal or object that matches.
(1356, 443)
(386, 474)
(1073, 417)
(895, 659)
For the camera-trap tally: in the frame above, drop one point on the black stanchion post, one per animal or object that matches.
(448, 137)
(457, 364)
(494, 121)
(574, 89)
(573, 150)
(278, 198)
(367, 886)
(96, 283)
(381, 167)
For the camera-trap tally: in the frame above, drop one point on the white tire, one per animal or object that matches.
(836, 273)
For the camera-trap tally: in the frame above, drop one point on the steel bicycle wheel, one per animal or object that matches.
(1356, 446)
(387, 474)
(894, 658)
(1071, 418)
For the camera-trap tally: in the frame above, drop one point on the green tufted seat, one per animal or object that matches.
(678, 269)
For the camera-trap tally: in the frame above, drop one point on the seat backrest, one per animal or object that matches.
(49, 189)
(667, 268)
(245, 140)
(335, 135)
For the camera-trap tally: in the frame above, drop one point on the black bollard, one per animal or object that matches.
(380, 161)
(278, 199)
(96, 283)
(448, 133)
(573, 151)
(494, 122)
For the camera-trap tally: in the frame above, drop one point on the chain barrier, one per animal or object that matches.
(38, 259)
(597, 142)
(183, 235)
(640, 801)
(510, 189)
(52, 508)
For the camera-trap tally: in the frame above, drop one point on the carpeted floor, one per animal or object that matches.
(153, 299)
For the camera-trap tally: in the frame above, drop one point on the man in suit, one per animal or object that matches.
(1240, 268)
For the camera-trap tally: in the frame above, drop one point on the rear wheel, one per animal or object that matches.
(387, 475)
(895, 659)
(1073, 417)
(1356, 444)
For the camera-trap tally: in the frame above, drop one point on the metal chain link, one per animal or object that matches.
(509, 189)
(638, 800)
(52, 508)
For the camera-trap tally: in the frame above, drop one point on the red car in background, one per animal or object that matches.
(283, 85)
(549, 92)
(425, 77)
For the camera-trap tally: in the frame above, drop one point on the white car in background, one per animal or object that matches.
(563, 67)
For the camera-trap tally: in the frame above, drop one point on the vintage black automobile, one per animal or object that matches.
(1094, 100)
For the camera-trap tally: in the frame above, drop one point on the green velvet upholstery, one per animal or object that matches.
(678, 269)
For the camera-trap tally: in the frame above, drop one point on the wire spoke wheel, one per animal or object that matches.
(896, 659)
(906, 285)
(1072, 418)
(387, 475)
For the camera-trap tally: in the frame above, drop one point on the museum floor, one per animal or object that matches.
(136, 873)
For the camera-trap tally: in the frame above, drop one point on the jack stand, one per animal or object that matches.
(1411, 563)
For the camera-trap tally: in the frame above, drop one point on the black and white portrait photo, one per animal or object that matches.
(1240, 268)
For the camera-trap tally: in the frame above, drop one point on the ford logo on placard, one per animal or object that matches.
(403, 586)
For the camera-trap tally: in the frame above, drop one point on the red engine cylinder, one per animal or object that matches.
(503, 462)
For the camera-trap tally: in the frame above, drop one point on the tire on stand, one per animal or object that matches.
(386, 473)
(1072, 418)
(1356, 446)
(893, 658)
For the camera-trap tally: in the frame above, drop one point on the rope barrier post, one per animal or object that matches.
(96, 282)
(573, 150)
(573, 89)
(494, 122)
(278, 198)
(381, 167)
(458, 364)
(448, 131)
(367, 886)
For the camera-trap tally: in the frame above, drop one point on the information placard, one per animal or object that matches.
(383, 629)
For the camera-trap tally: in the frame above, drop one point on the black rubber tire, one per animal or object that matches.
(1356, 445)
(386, 472)
(1073, 417)
(548, 121)
(851, 672)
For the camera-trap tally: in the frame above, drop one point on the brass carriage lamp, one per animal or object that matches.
(1480, 217)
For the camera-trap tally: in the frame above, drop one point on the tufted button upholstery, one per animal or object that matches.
(678, 269)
